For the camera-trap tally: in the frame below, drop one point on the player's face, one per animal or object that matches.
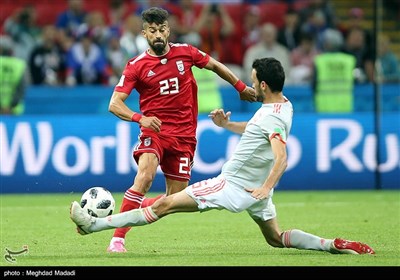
(157, 36)
(260, 95)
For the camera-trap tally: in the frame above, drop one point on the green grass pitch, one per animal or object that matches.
(214, 238)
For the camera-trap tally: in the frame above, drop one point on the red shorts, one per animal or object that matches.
(175, 154)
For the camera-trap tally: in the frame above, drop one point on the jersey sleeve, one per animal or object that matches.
(272, 126)
(127, 80)
(200, 58)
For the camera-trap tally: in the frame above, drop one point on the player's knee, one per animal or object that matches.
(274, 240)
(276, 243)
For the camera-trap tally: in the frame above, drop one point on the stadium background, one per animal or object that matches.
(66, 140)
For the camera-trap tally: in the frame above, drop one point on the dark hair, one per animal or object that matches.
(270, 71)
(155, 15)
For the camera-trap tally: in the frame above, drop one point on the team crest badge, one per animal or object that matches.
(180, 66)
(147, 141)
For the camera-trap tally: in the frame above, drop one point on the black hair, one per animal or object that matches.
(155, 15)
(270, 71)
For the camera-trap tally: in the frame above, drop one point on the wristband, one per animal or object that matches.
(240, 86)
(136, 117)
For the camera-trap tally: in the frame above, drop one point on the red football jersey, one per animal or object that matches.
(166, 86)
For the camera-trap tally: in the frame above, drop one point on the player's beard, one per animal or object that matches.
(259, 95)
(158, 48)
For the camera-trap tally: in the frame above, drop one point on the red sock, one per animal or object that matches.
(131, 200)
(148, 201)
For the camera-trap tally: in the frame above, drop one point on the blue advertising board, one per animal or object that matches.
(69, 153)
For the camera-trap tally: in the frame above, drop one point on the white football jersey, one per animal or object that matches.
(253, 158)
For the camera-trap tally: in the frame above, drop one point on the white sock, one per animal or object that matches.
(302, 240)
(135, 217)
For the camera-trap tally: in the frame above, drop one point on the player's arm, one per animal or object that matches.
(222, 119)
(246, 93)
(279, 167)
(118, 107)
(277, 170)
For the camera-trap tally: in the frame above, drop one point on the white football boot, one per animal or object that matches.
(81, 218)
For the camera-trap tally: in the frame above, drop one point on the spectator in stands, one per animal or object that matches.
(21, 27)
(355, 45)
(46, 62)
(247, 31)
(302, 59)
(68, 21)
(209, 96)
(289, 33)
(116, 15)
(388, 63)
(132, 41)
(251, 26)
(96, 23)
(316, 24)
(187, 17)
(115, 58)
(356, 19)
(267, 47)
(333, 80)
(320, 6)
(86, 62)
(214, 24)
(13, 79)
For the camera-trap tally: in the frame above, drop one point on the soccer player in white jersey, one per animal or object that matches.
(247, 179)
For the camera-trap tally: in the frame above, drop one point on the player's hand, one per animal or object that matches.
(249, 94)
(219, 117)
(258, 193)
(153, 123)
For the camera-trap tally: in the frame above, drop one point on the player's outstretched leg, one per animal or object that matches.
(81, 218)
(148, 201)
(342, 246)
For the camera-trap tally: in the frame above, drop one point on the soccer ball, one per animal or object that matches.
(98, 202)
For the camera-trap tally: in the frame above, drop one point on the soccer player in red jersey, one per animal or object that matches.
(163, 78)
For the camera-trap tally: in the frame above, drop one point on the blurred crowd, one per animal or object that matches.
(86, 46)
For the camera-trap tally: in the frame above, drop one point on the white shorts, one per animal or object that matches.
(217, 193)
